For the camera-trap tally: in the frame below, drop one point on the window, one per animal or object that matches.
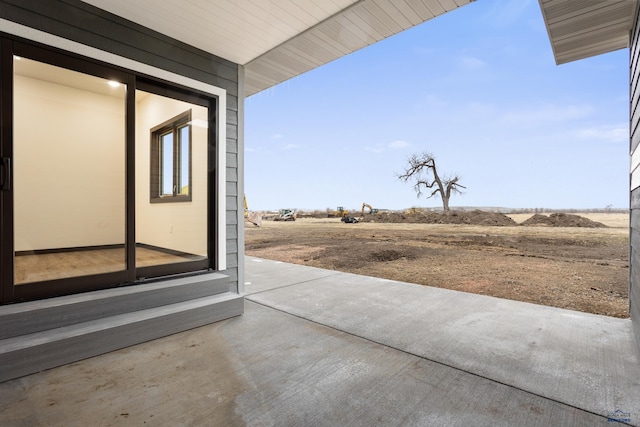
(171, 160)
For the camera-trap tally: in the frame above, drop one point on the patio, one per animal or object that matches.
(319, 347)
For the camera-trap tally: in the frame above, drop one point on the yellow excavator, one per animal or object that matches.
(372, 210)
(253, 217)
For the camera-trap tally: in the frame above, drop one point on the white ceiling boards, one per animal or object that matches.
(582, 28)
(278, 39)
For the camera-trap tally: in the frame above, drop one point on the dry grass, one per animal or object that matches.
(582, 269)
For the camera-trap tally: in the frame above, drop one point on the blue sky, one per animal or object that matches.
(478, 88)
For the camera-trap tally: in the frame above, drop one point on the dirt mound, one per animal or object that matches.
(562, 220)
(475, 217)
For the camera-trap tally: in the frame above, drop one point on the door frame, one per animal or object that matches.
(128, 71)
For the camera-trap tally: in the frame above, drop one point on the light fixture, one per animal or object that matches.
(114, 83)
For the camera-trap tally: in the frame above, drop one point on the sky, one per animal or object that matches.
(478, 88)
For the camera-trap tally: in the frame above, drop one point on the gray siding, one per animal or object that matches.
(634, 112)
(83, 23)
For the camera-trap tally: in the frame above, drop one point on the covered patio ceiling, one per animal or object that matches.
(278, 39)
(580, 29)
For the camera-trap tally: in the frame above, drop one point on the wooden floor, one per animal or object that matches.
(42, 267)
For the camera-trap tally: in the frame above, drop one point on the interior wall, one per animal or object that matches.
(634, 96)
(53, 207)
(180, 226)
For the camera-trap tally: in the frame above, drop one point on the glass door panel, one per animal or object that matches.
(171, 182)
(68, 173)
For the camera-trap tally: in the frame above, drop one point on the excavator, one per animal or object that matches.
(253, 217)
(372, 210)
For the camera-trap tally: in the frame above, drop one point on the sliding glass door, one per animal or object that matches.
(106, 179)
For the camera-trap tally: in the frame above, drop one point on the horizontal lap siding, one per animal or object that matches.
(634, 93)
(88, 25)
(634, 96)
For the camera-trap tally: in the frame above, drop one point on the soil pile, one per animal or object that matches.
(562, 220)
(475, 217)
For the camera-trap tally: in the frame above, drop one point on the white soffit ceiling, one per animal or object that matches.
(583, 28)
(278, 39)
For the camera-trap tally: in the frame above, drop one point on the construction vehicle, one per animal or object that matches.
(372, 210)
(286, 215)
(253, 217)
(349, 219)
(340, 212)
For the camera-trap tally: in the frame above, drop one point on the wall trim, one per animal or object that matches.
(241, 222)
(110, 58)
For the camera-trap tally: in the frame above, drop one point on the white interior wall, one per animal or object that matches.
(180, 226)
(69, 166)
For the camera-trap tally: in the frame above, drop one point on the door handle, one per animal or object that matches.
(6, 174)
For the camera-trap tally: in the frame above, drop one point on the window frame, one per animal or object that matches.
(173, 126)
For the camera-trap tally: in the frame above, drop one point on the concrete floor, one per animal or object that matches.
(322, 348)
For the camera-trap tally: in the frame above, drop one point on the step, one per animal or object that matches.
(34, 316)
(42, 350)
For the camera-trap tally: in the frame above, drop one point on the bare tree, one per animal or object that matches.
(422, 169)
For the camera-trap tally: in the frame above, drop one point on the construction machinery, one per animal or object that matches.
(349, 219)
(372, 210)
(252, 217)
(340, 212)
(286, 215)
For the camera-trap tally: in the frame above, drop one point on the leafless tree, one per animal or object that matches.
(422, 169)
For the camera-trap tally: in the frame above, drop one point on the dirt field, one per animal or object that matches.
(578, 268)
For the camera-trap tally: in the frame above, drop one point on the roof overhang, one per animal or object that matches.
(276, 40)
(580, 29)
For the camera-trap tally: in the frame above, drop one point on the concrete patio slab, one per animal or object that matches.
(584, 360)
(262, 278)
(268, 368)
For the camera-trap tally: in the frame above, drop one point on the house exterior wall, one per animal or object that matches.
(82, 23)
(634, 96)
